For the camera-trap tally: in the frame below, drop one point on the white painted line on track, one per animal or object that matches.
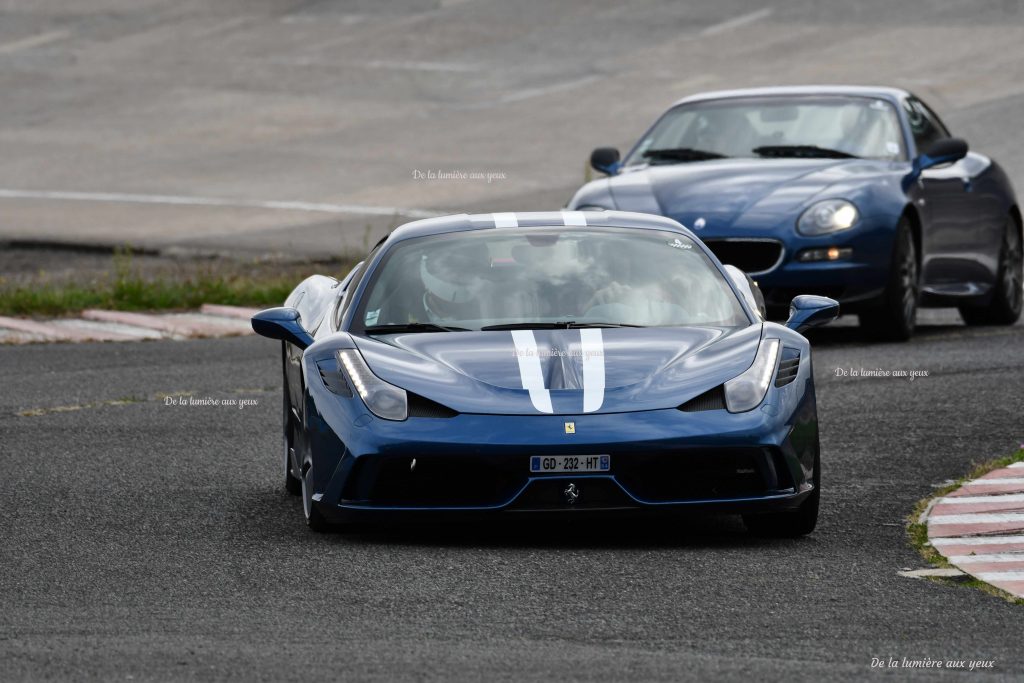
(994, 557)
(530, 93)
(976, 500)
(182, 200)
(443, 67)
(979, 518)
(30, 42)
(995, 481)
(976, 540)
(736, 22)
(1001, 576)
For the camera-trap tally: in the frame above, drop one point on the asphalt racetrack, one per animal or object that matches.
(150, 541)
(140, 540)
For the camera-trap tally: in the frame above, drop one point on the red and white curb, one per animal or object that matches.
(211, 320)
(979, 528)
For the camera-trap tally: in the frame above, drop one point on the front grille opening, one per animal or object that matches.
(420, 406)
(709, 400)
(436, 480)
(698, 474)
(750, 256)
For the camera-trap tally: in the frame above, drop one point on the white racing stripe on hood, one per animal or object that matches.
(592, 347)
(532, 376)
(574, 218)
(505, 220)
(529, 369)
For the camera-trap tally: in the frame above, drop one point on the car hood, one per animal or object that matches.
(491, 372)
(722, 191)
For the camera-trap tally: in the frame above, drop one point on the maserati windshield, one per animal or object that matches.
(513, 278)
(773, 127)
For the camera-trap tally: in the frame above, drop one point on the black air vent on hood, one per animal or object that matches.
(709, 400)
(424, 407)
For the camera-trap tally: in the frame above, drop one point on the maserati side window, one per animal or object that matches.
(925, 125)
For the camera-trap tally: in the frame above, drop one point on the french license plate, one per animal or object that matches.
(570, 463)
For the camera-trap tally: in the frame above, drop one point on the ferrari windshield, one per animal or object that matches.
(773, 127)
(546, 277)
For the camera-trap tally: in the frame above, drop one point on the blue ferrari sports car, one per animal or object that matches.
(557, 363)
(860, 194)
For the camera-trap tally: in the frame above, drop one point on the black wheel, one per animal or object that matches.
(314, 520)
(291, 483)
(791, 523)
(894, 319)
(1005, 305)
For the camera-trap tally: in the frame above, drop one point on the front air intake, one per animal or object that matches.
(789, 366)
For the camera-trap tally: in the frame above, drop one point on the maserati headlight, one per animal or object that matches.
(828, 216)
(384, 400)
(746, 392)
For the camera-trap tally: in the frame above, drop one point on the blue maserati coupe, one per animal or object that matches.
(556, 363)
(860, 194)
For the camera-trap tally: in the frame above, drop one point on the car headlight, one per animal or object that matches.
(746, 391)
(824, 217)
(384, 400)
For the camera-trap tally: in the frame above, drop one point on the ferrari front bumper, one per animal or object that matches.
(660, 460)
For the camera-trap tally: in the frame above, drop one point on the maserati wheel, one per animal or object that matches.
(1005, 305)
(895, 318)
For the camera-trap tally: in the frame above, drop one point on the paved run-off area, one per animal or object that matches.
(150, 537)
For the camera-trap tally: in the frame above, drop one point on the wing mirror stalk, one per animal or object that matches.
(282, 323)
(808, 310)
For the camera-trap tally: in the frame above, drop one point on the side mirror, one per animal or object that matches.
(809, 311)
(605, 160)
(281, 323)
(943, 151)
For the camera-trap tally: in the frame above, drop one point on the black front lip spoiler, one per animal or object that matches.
(350, 513)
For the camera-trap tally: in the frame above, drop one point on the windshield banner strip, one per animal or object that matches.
(574, 218)
(505, 220)
(529, 370)
(592, 346)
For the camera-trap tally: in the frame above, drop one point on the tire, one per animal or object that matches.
(291, 483)
(894, 319)
(1005, 305)
(314, 520)
(791, 523)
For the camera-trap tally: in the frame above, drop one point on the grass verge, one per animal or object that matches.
(127, 285)
(917, 531)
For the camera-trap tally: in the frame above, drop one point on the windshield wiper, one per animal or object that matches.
(681, 154)
(563, 325)
(802, 151)
(412, 327)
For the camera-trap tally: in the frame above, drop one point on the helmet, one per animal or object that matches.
(453, 280)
